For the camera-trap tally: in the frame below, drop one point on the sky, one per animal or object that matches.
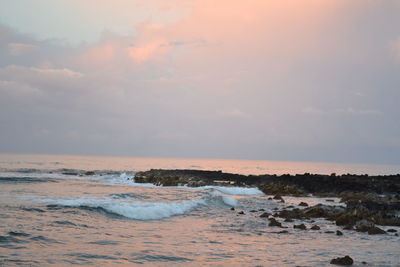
(295, 80)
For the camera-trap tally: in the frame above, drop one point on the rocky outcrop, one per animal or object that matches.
(297, 185)
(346, 260)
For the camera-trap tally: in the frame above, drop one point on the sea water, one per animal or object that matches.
(53, 214)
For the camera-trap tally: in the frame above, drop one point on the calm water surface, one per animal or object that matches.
(50, 218)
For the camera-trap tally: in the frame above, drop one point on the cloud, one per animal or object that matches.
(18, 49)
(261, 79)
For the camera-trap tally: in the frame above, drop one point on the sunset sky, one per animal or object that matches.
(303, 80)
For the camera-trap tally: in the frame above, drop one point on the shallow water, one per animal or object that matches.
(50, 218)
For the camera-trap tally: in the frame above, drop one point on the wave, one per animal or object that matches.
(236, 191)
(139, 210)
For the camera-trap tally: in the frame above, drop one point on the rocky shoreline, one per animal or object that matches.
(367, 202)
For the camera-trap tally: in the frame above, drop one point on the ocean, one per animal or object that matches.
(52, 214)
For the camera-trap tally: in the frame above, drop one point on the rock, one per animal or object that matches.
(376, 231)
(346, 219)
(232, 208)
(288, 220)
(241, 212)
(277, 197)
(283, 232)
(392, 230)
(339, 233)
(261, 210)
(253, 211)
(89, 173)
(300, 226)
(364, 262)
(329, 200)
(315, 227)
(329, 232)
(303, 204)
(274, 222)
(270, 198)
(346, 260)
(265, 215)
(367, 226)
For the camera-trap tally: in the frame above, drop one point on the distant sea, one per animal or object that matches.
(15, 161)
(52, 214)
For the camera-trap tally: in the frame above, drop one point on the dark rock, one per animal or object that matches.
(232, 208)
(376, 231)
(315, 227)
(274, 222)
(270, 198)
(288, 220)
(300, 226)
(241, 212)
(283, 232)
(265, 215)
(364, 262)
(261, 210)
(303, 204)
(346, 260)
(329, 232)
(339, 233)
(89, 173)
(392, 230)
(252, 211)
(277, 197)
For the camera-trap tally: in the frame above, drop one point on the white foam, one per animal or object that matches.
(230, 201)
(236, 191)
(138, 210)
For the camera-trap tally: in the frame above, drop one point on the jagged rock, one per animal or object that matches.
(339, 233)
(315, 227)
(303, 204)
(265, 215)
(366, 226)
(300, 226)
(274, 222)
(346, 260)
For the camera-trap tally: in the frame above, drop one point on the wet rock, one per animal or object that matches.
(366, 226)
(346, 260)
(277, 197)
(303, 204)
(300, 226)
(376, 231)
(364, 262)
(283, 232)
(253, 211)
(265, 215)
(274, 222)
(241, 212)
(270, 198)
(339, 233)
(261, 210)
(89, 173)
(288, 220)
(392, 230)
(232, 208)
(315, 227)
(329, 232)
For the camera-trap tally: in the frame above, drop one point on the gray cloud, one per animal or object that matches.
(328, 96)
